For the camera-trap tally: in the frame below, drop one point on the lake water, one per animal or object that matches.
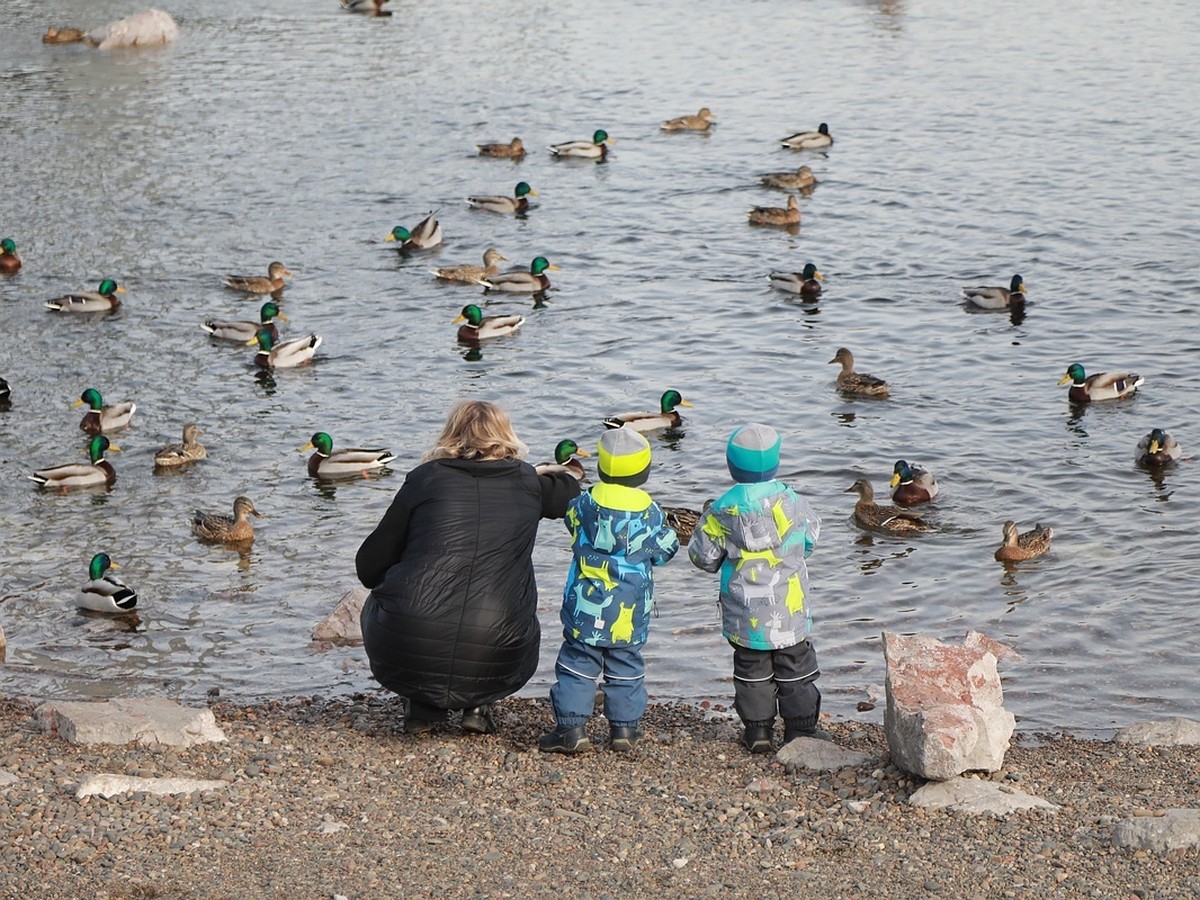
(969, 144)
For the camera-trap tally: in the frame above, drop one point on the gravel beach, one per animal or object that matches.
(329, 797)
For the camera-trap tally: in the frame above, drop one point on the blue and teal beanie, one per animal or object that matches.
(753, 453)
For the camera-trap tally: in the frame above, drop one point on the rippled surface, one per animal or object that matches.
(1063, 148)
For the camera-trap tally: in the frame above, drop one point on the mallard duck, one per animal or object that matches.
(809, 140)
(100, 416)
(1158, 449)
(343, 462)
(103, 299)
(701, 121)
(1023, 546)
(517, 203)
(776, 215)
(851, 382)
(105, 592)
(366, 7)
(667, 416)
(5, 391)
(514, 149)
(72, 475)
(479, 327)
(286, 355)
(596, 148)
(64, 34)
(247, 331)
(257, 284)
(10, 263)
(807, 283)
(996, 297)
(1101, 386)
(425, 234)
(235, 529)
(145, 28)
(800, 180)
(519, 281)
(912, 484)
(683, 520)
(471, 274)
(189, 451)
(564, 460)
(873, 517)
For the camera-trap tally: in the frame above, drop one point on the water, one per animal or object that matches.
(968, 146)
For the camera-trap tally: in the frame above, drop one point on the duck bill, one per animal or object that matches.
(76, 404)
(120, 290)
(554, 268)
(895, 480)
(390, 237)
(686, 403)
(1064, 379)
(461, 318)
(308, 446)
(581, 452)
(281, 317)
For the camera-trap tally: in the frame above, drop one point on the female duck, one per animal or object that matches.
(235, 529)
(1023, 546)
(596, 148)
(191, 450)
(105, 592)
(564, 461)
(514, 149)
(997, 297)
(683, 520)
(800, 180)
(857, 383)
(103, 299)
(10, 263)
(425, 234)
(1158, 449)
(287, 355)
(912, 484)
(1101, 386)
(471, 274)
(519, 281)
(478, 327)
(366, 7)
(72, 475)
(809, 140)
(701, 121)
(776, 215)
(102, 417)
(517, 203)
(807, 283)
(873, 517)
(247, 331)
(345, 462)
(258, 284)
(667, 416)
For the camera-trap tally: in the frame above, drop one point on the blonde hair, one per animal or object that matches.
(477, 429)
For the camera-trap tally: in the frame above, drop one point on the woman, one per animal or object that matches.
(451, 621)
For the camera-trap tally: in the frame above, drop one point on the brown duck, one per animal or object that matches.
(1023, 546)
(873, 517)
(851, 382)
(235, 529)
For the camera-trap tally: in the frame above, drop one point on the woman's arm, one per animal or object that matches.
(385, 545)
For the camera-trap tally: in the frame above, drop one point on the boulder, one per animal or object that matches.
(128, 721)
(1175, 829)
(107, 785)
(342, 626)
(975, 797)
(1171, 733)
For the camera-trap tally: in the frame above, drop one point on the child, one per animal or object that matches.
(618, 535)
(758, 534)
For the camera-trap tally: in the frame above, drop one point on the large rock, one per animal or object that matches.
(1175, 829)
(975, 797)
(128, 721)
(945, 712)
(108, 785)
(1171, 733)
(343, 625)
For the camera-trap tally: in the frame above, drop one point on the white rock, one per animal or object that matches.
(970, 795)
(818, 756)
(1172, 733)
(127, 721)
(7, 778)
(1176, 829)
(343, 626)
(109, 785)
(680, 862)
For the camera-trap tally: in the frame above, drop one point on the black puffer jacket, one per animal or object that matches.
(452, 616)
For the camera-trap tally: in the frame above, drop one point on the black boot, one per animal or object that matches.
(624, 738)
(478, 720)
(565, 740)
(757, 737)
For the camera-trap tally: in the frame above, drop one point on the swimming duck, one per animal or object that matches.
(478, 327)
(701, 121)
(71, 475)
(235, 529)
(471, 274)
(809, 140)
(912, 484)
(517, 203)
(287, 355)
(343, 462)
(10, 263)
(425, 234)
(800, 180)
(851, 382)
(776, 215)
(873, 517)
(519, 281)
(246, 331)
(683, 520)
(189, 451)
(807, 283)
(105, 592)
(103, 299)
(102, 417)
(144, 28)
(1158, 449)
(514, 149)
(257, 284)
(1023, 546)
(596, 148)
(997, 297)
(667, 416)
(367, 7)
(1101, 386)
(564, 460)
(5, 392)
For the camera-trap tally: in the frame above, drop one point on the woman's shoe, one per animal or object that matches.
(478, 720)
(567, 740)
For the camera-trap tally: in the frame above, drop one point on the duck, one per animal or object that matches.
(5, 392)
(776, 215)
(1101, 386)
(10, 262)
(145, 28)
(807, 283)
(809, 140)
(366, 7)
(1023, 546)
(425, 234)
(478, 327)
(520, 281)
(286, 355)
(472, 274)
(98, 471)
(517, 203)
(235, 529)
(701, 121)
(912, 484)
(997, 297)
(873, 517)
(259, 284)
(683, 520)
(103, 299)
(667, 416)
(247, 331)
(800, 180)
(343, 462)
(514, 149)
(565, 452)
(102, 417)
(1158, 449)
(189, 451)
(103, 591)
(851, 382)
(596, 148)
